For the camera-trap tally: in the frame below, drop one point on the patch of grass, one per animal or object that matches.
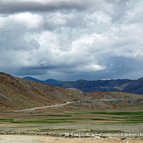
(115, 117)
(79, 117)
(2, 120)
(46, 121)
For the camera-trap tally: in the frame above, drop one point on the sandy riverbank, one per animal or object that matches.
(44, 139)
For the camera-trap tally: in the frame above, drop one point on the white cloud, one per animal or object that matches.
(49, 49)
(58, 19)
(28, 19)
(90, 68)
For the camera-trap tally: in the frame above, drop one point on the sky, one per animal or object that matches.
(72, 39)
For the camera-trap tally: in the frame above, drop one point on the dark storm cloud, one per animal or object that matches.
(30, 71)
(122, 67)
(43, 72)
(35, 68)
(118, 68)
(9, 7)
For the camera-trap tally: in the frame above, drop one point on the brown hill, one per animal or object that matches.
(18, 93)
(113, 100)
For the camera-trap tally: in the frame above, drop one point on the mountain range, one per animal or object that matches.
(118, 85)
(21, 94)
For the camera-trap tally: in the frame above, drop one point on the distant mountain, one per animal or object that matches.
(54, 82)
(135, 86)
(124, 85)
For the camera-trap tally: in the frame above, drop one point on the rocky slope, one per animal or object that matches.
(19, 93)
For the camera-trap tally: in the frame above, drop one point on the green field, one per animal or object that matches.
(75, 117)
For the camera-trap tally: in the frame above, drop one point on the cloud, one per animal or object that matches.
(14, 6)
(25, 20)
(68, 39)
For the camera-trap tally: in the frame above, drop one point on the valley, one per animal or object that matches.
(31, 108)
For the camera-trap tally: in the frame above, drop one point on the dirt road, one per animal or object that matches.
(43, 107)
(43, 139)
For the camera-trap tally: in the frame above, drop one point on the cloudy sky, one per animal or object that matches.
(72, 39)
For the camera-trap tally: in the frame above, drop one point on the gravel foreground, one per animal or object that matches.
(44, 139)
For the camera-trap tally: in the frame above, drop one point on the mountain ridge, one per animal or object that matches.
(17, 93)
(122, 85)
